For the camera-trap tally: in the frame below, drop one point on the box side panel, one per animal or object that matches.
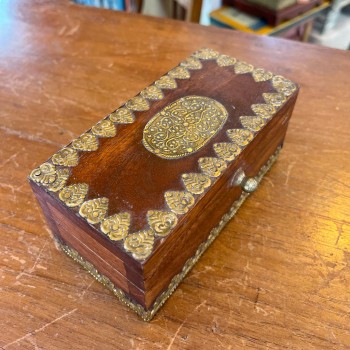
(66, 227)
(168, 260)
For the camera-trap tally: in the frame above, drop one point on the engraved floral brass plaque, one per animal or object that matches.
(184, 126)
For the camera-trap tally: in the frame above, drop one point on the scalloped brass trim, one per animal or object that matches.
(240, 137)
(48, 176)
(179, 73)
(161, 222)
(45, 174)
(104, 128)
(86, 142)
(227, 151)
(66, 157)
(152, 93)
(179, 201)
(196, 183)
(283, 85)
(166, 82)
(116, 226)
(206, 54)
(147, 315)
(212, 166)
(94, 210)
(61, 179)
(122, 116)
(252, 123)
(73, 195)
(265, 111)
(225, 61)
(140, 244)
(243, 67)
(274, 98)
(137, 104)
(192, 63)
(260, 74)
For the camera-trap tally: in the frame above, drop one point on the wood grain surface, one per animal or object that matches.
(277, 276)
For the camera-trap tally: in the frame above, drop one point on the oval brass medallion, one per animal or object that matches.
(184, 126)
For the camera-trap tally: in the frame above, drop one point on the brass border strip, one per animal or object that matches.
(147, 315)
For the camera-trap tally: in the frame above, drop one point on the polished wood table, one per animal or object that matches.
(277, 277)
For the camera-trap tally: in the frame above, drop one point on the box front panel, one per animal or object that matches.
(183, 243)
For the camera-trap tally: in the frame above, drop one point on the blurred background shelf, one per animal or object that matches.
(332, 29)
(317, 21)
(297, 28)
(275, 12)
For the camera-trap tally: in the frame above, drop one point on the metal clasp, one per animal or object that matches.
(248, 184)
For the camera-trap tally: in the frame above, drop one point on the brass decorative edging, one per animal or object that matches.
(179, 202)
(192, 63)
(122, 116)
(86, 142)
(104, 128)
(94, 210)
(225, 61)
(54, 174)
(140, 244)
(161, 222)
(147, 315)
(74, 195)
(196, 183)
(48, 176)
(206, 54)
(66, 157)
(116, 227)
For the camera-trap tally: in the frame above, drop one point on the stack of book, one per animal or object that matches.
(288, 22)
(274, 11)
(119, 5)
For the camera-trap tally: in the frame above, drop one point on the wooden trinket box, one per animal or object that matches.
(140, 196)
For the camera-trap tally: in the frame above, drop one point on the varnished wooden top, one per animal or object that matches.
(277, 276)
(135, 179)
